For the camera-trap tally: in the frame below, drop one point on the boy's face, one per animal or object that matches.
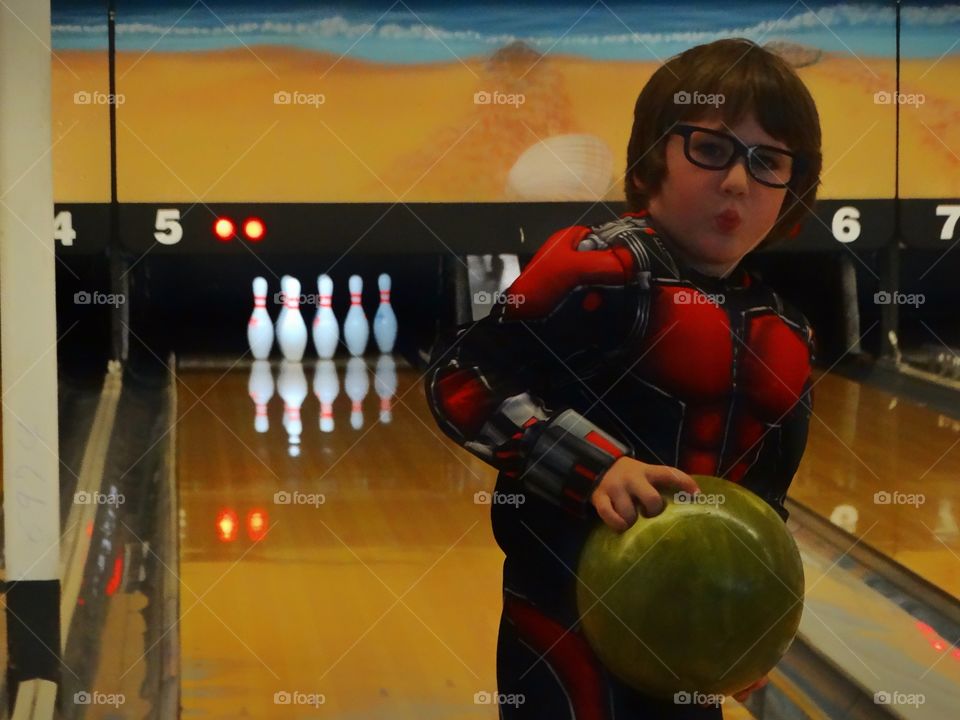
(715, 217)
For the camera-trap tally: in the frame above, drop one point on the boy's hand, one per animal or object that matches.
(746, 692)
(629, 482)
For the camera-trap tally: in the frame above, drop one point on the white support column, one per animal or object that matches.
(28, 338)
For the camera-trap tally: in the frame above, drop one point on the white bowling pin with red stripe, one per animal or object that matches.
(326, 329)
(279, 297)
(291, 329)
(385, 321)
(356, 329)
(260, 327)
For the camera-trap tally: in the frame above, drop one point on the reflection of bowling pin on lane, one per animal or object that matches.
(292, 386)
(385, 382)
(385, 321)
(845, 516)
(291, 330)
(260, 327)
(356, 329)
(260, 387)
(326, 386)
(326, 330)
(946, 528)
(357, 385)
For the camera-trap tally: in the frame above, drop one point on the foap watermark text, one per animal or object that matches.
(684, 498)
(888, 697)
(898, 498)
(283, 497)
(482, 97)
(83, 297)
(898, 298)
(295, 97)
(882, 97)
(296, 697)
(482, 497)
(98, 698)
(683, 97)
(697, 698)
(687, 296)
(482, 297)
(98, 498)
(86, 97)
(490, 698)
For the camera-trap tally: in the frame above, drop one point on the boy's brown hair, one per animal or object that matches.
(751, 79)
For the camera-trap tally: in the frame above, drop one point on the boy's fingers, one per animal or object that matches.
(624, 507)
(607, 513)
(647, 496)
(664, 478)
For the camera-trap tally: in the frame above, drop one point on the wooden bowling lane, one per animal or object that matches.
(385, 598)
(887, 470)
(890, 655)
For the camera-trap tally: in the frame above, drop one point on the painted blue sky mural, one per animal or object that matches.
(417, 32)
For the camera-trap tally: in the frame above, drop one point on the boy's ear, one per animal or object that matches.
(638, 183)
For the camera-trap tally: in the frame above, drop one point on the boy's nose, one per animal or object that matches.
(736, 177)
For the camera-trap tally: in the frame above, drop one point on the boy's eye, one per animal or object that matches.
(712, 149)
(770, 161)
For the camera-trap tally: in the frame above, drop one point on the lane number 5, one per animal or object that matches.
(169, 230)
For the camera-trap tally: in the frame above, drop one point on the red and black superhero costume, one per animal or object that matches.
(608, 345)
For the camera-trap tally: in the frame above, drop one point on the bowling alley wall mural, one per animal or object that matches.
(296, 101)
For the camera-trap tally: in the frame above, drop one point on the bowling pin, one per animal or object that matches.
(260, 327)
(385, 382)
(385, 321)
(356, 329)
(326, 386)
(260, 387)
(326, 330)
(291, 330)
(357, 385)
(292, 387)
(283, 306)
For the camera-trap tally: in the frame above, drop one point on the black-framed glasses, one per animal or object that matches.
(717, 150)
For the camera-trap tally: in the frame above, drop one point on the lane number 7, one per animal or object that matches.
(952, 214)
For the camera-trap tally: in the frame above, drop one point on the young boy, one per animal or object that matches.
(630, 354)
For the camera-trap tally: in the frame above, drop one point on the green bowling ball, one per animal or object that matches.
(706, 596)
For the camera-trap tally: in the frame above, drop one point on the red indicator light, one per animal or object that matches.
(227, 525)
(223, 228)
(254, 229)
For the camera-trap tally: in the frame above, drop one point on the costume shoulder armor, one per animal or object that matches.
(562, 267)
(635, 235)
